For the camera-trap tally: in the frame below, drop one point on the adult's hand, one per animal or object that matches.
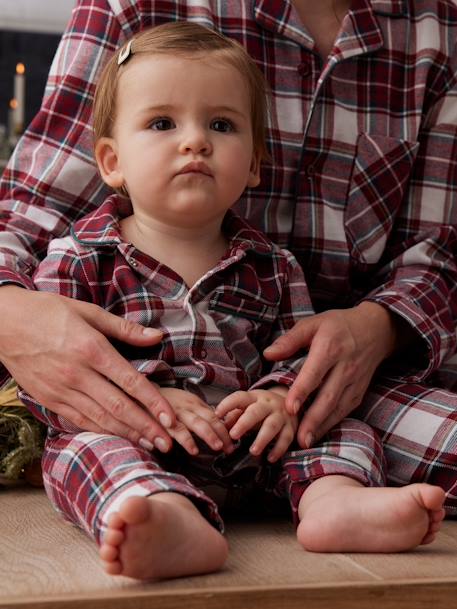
(57, 349)
(345, 348)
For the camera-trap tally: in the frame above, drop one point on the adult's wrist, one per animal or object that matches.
(395, 331)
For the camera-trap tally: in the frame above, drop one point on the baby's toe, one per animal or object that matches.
(108, 553)
(113, 568)
(114, 537)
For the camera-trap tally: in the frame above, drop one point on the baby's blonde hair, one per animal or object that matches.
(186, 39)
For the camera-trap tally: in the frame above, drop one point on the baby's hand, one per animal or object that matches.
(261, 409)
(194, 416)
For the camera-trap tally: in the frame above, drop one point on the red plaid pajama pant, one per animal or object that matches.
(87, 476)
(402, 433)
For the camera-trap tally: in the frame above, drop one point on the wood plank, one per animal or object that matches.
(437, 560)
(46, 562)
(434, 594)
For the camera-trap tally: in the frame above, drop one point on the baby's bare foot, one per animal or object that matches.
(161, 536)
(346, 517)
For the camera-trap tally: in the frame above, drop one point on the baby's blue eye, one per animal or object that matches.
(222, 125)
(162, 124)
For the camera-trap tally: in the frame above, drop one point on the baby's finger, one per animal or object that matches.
(269, 429)
(239, 399)
(283, 442)
(182, 435)
(252, 417)
(221, 430)
(203, 429)
(232, 417)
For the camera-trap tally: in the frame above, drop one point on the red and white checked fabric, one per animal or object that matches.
(87, 476)
(213, 332)
(362, 187)
(364, 161)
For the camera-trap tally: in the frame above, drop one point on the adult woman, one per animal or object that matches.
(361, 189)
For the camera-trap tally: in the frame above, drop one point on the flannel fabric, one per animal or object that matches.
(362, 184)
(213, 332)
(362, 187)
(213, 336)
(87, 476)
(417, 425)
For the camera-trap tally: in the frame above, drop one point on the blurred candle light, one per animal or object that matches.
(12, 120)
(19, 96)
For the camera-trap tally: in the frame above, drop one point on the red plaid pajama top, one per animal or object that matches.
(362, 185)
(213, 332)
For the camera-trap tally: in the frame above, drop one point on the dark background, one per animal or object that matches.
(36, 52)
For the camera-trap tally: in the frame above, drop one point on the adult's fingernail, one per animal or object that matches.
(165, 419)
(309, 439)
(151, 332)
(146, 444)
(161, 444)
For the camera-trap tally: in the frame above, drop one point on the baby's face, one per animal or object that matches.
(183, 137)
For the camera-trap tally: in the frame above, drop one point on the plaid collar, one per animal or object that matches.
(101, 228)
(361, 34)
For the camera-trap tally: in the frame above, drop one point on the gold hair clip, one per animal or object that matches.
(125, 53)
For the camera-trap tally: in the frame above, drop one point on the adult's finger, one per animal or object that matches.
(108, 362)
(298, 337)
(110, 408)
(310, 377)
(116, 327)
(350, 399)
(321, 417)
(76, 417)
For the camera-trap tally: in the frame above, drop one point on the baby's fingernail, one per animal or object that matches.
(217, 445)
(146, 444)
(309, 439)
(161, 444)
(296, 406)
(165, 419)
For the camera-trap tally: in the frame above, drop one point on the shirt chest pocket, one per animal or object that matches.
(243, 304)
(241, 315)
(379, 180)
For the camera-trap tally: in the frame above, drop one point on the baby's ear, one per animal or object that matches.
(254, 171)
(108, 162)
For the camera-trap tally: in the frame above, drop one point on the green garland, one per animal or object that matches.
(21, 437)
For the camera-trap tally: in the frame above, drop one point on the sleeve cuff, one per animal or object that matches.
(434, 345)
(283, 373)
(9, 277)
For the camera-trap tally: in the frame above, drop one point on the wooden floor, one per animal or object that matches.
(45, 563)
